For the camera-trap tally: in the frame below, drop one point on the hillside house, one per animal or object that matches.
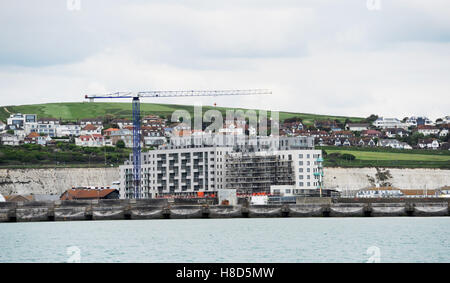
(91, 129)
(122, 123)
(92, 140)
(371, 133)
(8, 139)
(393, 132)
(35, 138)
(154, 121)
(427, 130)
(92, 121)
(68, 130)
(428, 143)
(385, 123)
(356, 127)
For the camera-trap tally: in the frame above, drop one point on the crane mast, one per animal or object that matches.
(135, 96)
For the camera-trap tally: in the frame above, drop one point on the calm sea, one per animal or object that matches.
(400, 239)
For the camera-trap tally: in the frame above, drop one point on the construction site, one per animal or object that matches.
(251, 173)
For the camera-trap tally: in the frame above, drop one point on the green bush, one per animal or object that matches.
(347, 156)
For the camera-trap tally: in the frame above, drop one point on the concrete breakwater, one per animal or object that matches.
(161, 209)
(56, 181)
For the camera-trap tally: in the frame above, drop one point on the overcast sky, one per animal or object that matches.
(325, 57)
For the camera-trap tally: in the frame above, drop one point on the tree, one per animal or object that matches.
(347, 156)
(381, 179)
(120, 144)
(371, 118)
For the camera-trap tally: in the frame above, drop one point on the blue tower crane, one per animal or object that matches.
(135, 96)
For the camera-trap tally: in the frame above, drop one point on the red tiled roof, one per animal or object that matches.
(33, 135)
(89, 127)
(426, 127)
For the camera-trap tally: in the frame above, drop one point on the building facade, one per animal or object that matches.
(186, 168)
(177, 171)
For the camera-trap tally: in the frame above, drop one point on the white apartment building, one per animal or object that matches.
(19, 120)
(69, 130)
(187, 168)
(177, 171)
(385, 123)
(415, 121)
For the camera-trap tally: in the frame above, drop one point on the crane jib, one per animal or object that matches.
(137, 117)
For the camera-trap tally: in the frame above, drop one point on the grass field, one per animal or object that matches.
(389, 158)
(79, 110)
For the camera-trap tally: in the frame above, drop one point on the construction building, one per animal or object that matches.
(256, 173)
(210, 163)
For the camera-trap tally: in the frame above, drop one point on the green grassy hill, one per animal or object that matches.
(80, 110)
(385, 157)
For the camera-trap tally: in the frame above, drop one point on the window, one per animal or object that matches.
(300, 170)
(300, 156)
(301, 184)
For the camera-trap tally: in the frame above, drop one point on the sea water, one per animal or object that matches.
(396, 239)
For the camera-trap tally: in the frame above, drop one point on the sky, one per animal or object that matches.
(347, 57)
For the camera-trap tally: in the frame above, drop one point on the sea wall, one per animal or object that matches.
(356, 178)
(161, 209)
(53, 181)
(56, 181)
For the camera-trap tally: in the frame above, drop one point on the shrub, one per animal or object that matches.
(347, 156)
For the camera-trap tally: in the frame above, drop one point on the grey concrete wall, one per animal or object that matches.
(53, 181)
(56, 181)
(356, 178)
(130, 209)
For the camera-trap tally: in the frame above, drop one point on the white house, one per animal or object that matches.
(46, 126)
(429, 143)
(93, 140)
(427, 130)
(69, 130)
(392, 133)
(91, 129)
(415, 121)
(385, 123)
(8, 139)
(19, 120)
(95, 122)
(392, 143)
(355, 127)
(125, 135)
(122, 123)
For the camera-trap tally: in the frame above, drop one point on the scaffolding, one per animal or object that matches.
(249, 173)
